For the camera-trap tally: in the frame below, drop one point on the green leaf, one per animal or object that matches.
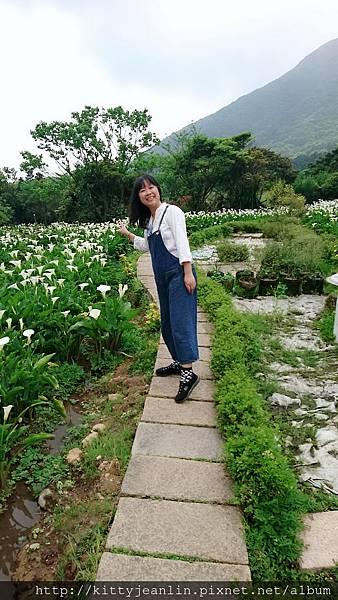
(36, 438)
(43, 361)
(60, 407)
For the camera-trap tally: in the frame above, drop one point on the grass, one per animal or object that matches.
(82, 529)
(109, 445)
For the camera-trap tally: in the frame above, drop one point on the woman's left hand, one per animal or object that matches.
(189, 282)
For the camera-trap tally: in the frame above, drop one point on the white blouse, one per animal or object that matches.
(173, 231)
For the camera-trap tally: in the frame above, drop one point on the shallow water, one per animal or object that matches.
(23, 511)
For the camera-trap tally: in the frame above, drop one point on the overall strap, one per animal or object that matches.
(160, 223)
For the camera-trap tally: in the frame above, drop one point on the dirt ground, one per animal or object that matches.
(38, 559)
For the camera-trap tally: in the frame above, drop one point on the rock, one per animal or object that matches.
(320, 417)
(327, 405)
(99, 427)
(89, 439)
(45, 499)
(300, 412)
(74, 456)
(284, 401)
(326, 435)
(281, 367)
(33, 547)
(295, 383)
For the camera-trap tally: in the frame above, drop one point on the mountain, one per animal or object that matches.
(296, 114)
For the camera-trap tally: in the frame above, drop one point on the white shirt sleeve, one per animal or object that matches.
(176, 221)
(141, 244)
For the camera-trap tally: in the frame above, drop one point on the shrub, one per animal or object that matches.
(283, 194)
(246, 226)
(228, 251)
(199, 238)
(266, 486)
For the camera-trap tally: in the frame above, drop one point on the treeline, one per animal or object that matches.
(319, 180)
(98, 153)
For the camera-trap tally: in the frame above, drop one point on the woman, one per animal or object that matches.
(165, 237)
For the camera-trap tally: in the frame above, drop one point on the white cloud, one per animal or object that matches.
(182, 59)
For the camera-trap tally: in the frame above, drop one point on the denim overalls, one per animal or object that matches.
(178, 308)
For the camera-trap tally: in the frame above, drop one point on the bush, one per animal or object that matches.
(283, 194)
(246, 226)
(228, 251)
(199, 238)
(266, 486)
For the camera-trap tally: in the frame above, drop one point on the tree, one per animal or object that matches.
(93, 135)
(40, 200)
(97, 192)
(32, 165)
(205, 169)
(283, 194)
(263, 169)
(7, 194)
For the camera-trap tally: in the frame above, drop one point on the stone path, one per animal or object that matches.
(176, 495)
(309, 394)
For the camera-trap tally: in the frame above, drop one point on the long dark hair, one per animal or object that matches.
(138, 213)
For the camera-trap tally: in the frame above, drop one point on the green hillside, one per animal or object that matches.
(295, 115)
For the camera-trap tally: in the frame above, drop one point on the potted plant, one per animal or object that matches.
(313, 283)
(268, 280)
(228, 281)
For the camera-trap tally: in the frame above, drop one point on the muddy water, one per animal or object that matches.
(23, 511)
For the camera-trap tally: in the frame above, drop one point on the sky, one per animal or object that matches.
(180, 59)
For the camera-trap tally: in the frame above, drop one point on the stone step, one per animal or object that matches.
(190, 412)
(204, 340)
(209, 532)
(204, 327)
(204, 353)
(320, 537)
(177, 479)
(201, 367)
(178, 441)
(121, 567)
(167, 387)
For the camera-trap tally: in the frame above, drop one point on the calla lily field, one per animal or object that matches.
(63, 296)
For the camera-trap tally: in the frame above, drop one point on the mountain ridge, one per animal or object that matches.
(295, 114)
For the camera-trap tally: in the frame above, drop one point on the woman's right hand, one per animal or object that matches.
(123, 230)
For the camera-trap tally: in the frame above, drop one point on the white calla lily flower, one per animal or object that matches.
(103, 289)
(122, 289)
(7, 410)
(94, 313)
(4, 341)
(28, 334)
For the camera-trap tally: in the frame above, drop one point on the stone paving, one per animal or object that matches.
(310, 395)
(176, 497)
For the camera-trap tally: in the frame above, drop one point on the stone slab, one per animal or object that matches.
(178, 441)
(167, 387)
(202, 317)
(209, 532)
(204, 327)
(320, 538)
(204, 340)
(162, 410)
(176, 479)
(145, 269)
(204, 353)
(201, 367)
(148, 280)
(121, 567)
